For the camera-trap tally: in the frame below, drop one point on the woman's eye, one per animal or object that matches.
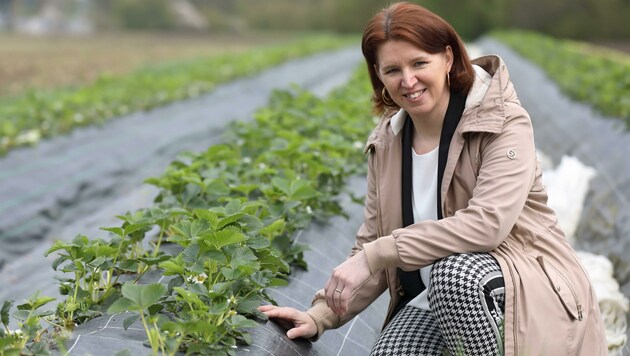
(420, 63)
(390, 71)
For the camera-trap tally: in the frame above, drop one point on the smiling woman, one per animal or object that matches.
(472, 256)
(417, 82)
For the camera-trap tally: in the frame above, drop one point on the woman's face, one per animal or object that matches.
(415, 79)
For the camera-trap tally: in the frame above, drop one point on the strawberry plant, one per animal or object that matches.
(585, 72)
(222, 228)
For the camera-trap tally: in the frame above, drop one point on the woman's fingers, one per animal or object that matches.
(344, 300)
(273, 311)
(267, 307)
(301, 331)
(299, 323)
(344, 279)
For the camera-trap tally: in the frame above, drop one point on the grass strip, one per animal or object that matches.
(587, 73)
(37, 114)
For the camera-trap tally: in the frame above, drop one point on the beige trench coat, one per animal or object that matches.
(493, 200)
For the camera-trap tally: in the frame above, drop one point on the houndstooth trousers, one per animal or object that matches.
(466, 317)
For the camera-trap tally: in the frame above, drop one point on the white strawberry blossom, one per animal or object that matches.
(199, 279)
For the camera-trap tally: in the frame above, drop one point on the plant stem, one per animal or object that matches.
(146, 329)
(157, 246)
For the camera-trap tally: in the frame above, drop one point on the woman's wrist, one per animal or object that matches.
(381, 253)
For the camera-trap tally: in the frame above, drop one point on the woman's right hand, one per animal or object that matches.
(298, 322)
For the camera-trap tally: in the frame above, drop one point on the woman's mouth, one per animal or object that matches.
(414, 94)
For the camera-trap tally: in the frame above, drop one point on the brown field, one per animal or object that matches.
(619, 45)
(47, 62)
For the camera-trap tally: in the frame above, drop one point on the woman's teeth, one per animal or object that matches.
(415, 95)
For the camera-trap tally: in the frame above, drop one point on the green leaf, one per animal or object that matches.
(258, 242)
(115, 230)
(12, 352)
(301, 190)
(173, 266)
(190, 229)
(275, 228)
(251, 222)
(121, 305)
(216, 187)
(150, 261)
(4, 312)
(274, 264)
(208, 215)
(59, 260)
(174, 282)
(249, 304)
(239, 322)
(234, 206)
(229, 220)
(143, 296)
(241, 256)
(225, 237)
(230, 274)
(35, 302)
(218, 307)
(21, 315)
(131, 228)
(214, 255)
(278, 282)
(284, 185)
(155, 308)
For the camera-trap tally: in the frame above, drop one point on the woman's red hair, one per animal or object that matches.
(421, 27)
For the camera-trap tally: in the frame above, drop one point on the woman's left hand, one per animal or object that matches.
(344, 280)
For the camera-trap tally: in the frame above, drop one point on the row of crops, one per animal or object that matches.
(27, 118)
(220, 230)
(585, 72)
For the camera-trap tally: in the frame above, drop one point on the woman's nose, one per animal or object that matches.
(408, 79)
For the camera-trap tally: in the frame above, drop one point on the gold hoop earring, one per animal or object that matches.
(387, 100)
(448, 79)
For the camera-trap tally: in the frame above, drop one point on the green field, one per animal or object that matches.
(38, 112)
(28, 62)
(596, 75)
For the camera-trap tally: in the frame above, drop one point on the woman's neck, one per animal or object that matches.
(428, 128)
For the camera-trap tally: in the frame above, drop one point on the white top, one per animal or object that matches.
(424, 201)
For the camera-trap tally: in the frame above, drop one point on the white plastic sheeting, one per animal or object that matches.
(567, 186)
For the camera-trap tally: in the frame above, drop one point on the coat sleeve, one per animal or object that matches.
(363, 296)
(506, 175)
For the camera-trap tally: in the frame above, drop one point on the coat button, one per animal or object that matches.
(511, 153)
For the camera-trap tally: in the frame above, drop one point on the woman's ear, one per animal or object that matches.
(378, 73)
(449, 58)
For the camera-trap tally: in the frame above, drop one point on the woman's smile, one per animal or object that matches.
(415, 95)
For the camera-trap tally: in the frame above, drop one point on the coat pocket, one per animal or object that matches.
(562, 288)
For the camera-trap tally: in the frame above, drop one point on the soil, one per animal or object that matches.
(618, 45)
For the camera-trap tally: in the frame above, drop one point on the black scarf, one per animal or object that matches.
(410, 280)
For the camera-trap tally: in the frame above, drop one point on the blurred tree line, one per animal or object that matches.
(582, 19)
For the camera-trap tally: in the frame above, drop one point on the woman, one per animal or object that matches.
(456, 222)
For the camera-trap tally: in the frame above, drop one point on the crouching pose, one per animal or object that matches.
(456, 222)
